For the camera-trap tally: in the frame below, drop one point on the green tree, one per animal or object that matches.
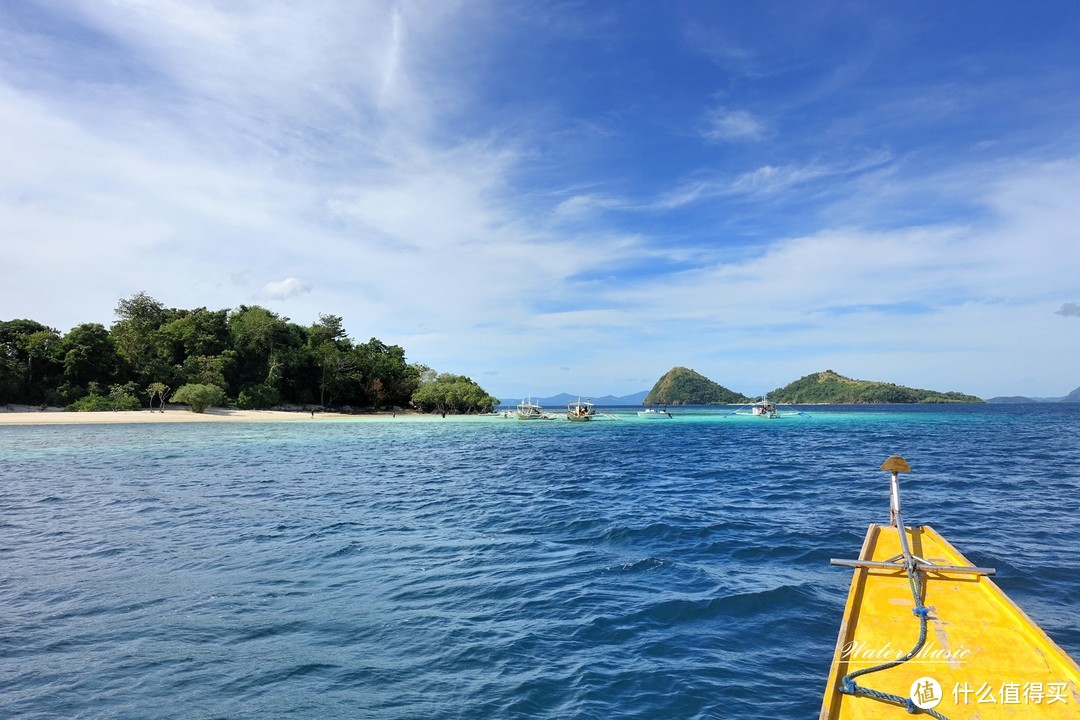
(454, 394)
(198, 332)
(42, 348)
(329, 329)
(338, 370)
(208, 370)
(330, 349)
(388, 379)
(199, 396)
(119, 397)
(258, 337)
(28, 356)
(87, 354)
(157, 391)
(139, 341)
(258, 397)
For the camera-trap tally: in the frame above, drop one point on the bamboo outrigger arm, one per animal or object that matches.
(906, 559)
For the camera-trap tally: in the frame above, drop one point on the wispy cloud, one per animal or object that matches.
(283, 289)
(369, 158)
(723, 125)
(883, 304)
(770, 178)
(766, 180)
(579, 206)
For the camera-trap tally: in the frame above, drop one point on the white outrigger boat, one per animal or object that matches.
(764, 408)
(528, 410)
(580, 411)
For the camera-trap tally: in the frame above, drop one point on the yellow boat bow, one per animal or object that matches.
(980, 656)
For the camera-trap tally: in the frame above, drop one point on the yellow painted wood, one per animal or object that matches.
(979, 645)
(896, 463)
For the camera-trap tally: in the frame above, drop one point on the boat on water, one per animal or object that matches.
(973, 651)
(580, 411)
(764, 408)
(655, 414)
(528, 410)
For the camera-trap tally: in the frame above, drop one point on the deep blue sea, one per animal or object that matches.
(491, 568)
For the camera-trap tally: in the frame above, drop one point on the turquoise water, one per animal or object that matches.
(491, 568)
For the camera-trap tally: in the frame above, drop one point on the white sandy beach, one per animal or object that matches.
(25, 415)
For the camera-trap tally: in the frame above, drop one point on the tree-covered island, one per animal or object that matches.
(249, 356)
(682, 386)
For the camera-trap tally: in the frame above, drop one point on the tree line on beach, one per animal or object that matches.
(248, 356)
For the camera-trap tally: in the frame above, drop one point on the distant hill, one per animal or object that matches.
(682, 386)
(1074, 396)
(831, 387)
(634, 399)
(564, 398)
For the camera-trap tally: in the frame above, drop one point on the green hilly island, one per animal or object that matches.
(831, 387)
(682, 386)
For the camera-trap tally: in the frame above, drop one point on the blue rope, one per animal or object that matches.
(848, 686)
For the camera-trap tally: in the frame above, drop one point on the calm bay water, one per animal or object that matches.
(490, 568)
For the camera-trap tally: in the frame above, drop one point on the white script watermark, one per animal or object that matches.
(861, 652)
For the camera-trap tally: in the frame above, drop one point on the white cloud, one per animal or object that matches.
(276, 140)
(723, 125)
(283, 289)
(579, 206)
(942, 306)
(768, 180)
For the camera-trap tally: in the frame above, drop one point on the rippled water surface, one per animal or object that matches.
(491, 568)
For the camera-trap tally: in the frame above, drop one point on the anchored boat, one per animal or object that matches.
(528, 410)
(655, 414)
(580, 411)
(764, 408)
(973, 652)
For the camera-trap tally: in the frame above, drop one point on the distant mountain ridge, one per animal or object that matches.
(1072, 397)
(687, 387)
(564, 398)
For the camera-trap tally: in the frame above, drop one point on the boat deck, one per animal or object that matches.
(990, 659)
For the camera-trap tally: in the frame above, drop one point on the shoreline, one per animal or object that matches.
(26, 415)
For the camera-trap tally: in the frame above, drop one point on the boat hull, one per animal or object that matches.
(979, 645)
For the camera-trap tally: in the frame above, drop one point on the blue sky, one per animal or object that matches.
(565, 196)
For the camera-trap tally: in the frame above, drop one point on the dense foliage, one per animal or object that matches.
(257, 358)
(199, 396)
(447, 393)
(682, 386)
(830, 387)
(118, 397)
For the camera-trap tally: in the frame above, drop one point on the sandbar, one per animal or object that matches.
(25, 415)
